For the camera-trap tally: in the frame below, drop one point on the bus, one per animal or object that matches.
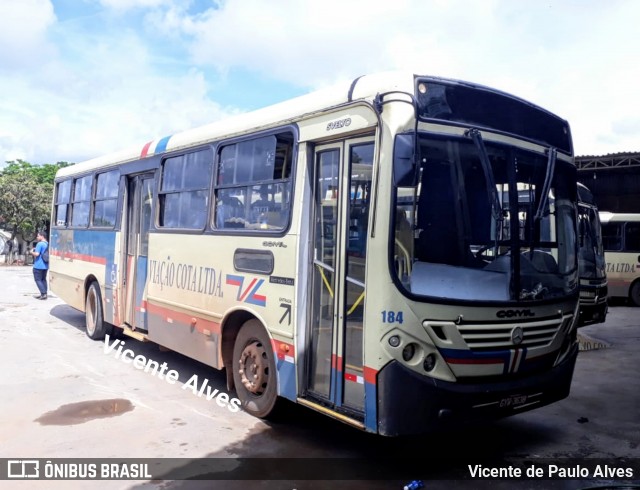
(621, 240)
(355, 250)
(591, 261)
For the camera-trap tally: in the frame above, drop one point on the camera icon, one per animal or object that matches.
(23, 468)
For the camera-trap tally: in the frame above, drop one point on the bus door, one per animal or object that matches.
(139, 198)
(341, 198)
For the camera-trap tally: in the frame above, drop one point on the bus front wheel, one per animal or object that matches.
(254, 370)
(96, 326)
(634, 293)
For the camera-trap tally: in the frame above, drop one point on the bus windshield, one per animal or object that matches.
(590, 253)
(486, 222)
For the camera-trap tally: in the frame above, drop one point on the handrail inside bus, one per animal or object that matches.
(328, 286)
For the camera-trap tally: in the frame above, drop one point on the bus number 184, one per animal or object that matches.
(392, 317)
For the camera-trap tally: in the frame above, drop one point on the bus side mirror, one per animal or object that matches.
(405, 173)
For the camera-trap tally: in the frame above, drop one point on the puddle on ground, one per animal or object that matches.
(81, 412)
(4, 306)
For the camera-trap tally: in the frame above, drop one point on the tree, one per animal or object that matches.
(44, 174)
(26, 192)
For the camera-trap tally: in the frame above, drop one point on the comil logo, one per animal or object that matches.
(514, 313)
(23, 468)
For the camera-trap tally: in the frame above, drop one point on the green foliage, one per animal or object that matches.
(44, 174)
(26, 193)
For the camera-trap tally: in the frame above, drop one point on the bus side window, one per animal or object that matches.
(632, 237)
(63, 198)
(183, 196)
(229, 211)
(612, 236)
(258, 172)
(262, 206)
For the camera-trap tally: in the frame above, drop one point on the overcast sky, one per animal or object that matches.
(80, 78)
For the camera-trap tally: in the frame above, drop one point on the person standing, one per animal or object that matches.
(40, 266)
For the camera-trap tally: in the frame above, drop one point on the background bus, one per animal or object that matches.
(621, 240)
(591, 261)
(354, 250)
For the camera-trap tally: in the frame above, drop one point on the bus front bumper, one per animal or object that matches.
(412, 404)
(592, 313)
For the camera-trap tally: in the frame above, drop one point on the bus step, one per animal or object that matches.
(331, 413)
(136, 335)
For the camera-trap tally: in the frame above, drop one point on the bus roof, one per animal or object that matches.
(363, 88)
(607, 217)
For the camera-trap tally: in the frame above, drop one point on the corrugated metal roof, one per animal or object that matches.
(612, 160)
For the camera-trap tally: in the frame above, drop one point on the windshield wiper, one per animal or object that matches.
(492, 191)
(551, 165)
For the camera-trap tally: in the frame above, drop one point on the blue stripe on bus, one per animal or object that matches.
(336, 385)
(286, 379)
(95, 246)
(162, 144)
(141, 280)
(370, 407)
(87, 243)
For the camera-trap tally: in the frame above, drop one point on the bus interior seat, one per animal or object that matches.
(542, 261)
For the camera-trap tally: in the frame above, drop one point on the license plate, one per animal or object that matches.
(513, 401)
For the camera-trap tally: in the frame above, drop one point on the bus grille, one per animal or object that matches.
(592, 296)
(498, 336)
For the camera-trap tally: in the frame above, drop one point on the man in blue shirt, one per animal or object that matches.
(40, 266)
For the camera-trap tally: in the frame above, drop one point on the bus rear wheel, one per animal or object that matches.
(634, 293)
(254, 370)
(97, 328)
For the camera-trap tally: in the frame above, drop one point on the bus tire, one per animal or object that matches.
(97, 328)
(254, 370)
(634, 293)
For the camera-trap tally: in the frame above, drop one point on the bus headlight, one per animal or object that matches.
(394, 341)
(408, 352)
(429, 362)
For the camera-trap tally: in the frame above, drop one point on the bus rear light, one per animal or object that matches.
(394, 341)
(408, 352)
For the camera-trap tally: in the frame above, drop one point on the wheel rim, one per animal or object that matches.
(91, 311)
(254, 368)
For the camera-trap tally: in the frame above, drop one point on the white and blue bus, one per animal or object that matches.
(356, 250)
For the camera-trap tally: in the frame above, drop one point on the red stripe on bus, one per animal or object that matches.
(516, 357)
(336, 362)
(90, 258)
(246, 291)
(474, 361)
(185, 319)
(145, 149)
(370, 375)
(283, 349)
(81, 257)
